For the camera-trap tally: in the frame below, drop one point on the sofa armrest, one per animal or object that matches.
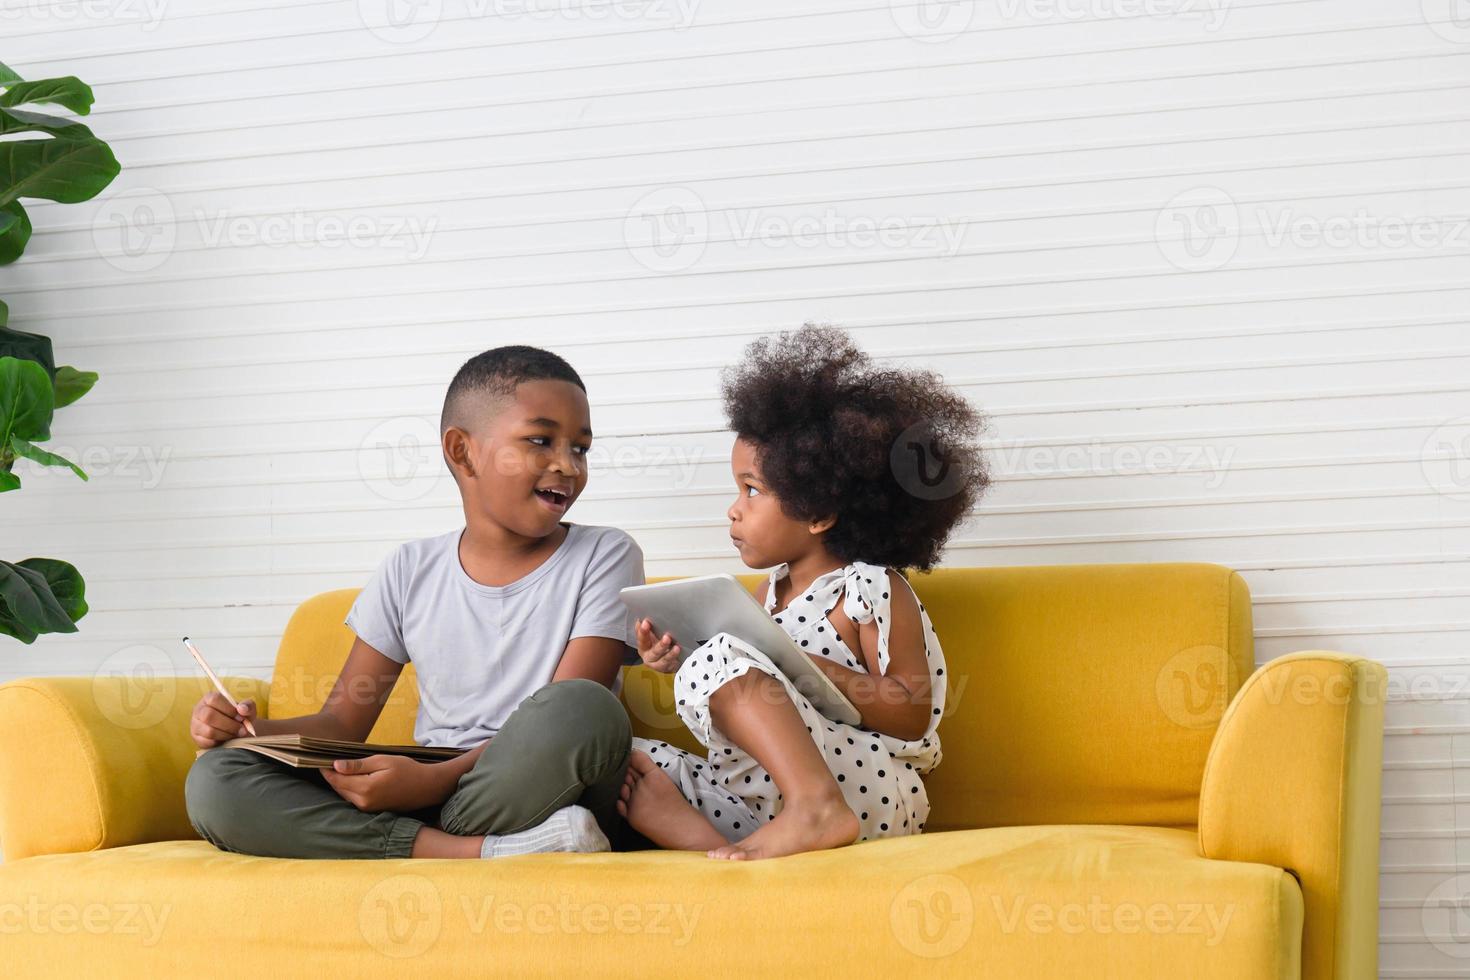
(1293, 780)
(95, 762)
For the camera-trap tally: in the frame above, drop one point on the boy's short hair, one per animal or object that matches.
(493, 375)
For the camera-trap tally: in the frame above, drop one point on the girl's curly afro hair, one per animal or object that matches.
(892, 453)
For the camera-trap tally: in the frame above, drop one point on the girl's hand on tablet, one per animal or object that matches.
(660, 653)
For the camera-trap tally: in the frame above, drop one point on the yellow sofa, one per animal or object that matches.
(1121, 795)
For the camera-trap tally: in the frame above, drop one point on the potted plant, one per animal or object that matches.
(54, 158)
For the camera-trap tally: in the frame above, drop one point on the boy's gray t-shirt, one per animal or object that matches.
(480, 650)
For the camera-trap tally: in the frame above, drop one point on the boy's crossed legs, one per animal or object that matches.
(566, 744)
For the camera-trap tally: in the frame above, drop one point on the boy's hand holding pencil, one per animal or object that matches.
(217, 716)
(216, 719)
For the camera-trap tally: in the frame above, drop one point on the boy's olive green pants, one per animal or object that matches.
(567, 743)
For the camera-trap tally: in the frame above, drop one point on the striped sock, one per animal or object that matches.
(572, 828)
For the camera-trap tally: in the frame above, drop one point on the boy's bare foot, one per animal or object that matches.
(800, 826)
(657, 810)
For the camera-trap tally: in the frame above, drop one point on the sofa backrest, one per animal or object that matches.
(1077, 693)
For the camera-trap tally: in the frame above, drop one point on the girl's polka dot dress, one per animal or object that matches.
(878, 774)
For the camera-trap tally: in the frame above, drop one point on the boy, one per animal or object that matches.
(517, 632)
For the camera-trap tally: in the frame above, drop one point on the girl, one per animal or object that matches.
(836, 490)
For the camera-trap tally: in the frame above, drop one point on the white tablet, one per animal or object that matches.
(694, 609)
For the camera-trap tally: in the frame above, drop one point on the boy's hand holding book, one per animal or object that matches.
(388, 782)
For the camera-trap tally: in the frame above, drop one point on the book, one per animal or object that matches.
(308, 752)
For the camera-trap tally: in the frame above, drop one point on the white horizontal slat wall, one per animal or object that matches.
(1097, 221)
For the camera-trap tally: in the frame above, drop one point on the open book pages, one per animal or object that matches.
(306, 752)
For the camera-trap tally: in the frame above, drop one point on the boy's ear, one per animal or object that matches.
(457, 451)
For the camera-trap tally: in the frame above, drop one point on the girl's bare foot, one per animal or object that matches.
(800, 826)
(657, 810)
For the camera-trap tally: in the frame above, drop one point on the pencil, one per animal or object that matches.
(218, 686)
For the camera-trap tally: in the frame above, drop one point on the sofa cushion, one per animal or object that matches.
(1077, 693)
(1007, 902)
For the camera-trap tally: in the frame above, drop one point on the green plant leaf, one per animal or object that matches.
(70, 92)
(28, 607)
(65, 582)
(71, 384)
(26, 401)
(21, 447)
(7, 75)
(15, 231)
(64, 170)
(24, 121)
(8, 481)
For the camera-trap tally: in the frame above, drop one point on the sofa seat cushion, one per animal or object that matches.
(1031, 902)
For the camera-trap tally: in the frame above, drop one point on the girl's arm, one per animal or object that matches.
(897, 703)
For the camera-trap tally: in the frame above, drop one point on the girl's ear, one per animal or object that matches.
(822, 526)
